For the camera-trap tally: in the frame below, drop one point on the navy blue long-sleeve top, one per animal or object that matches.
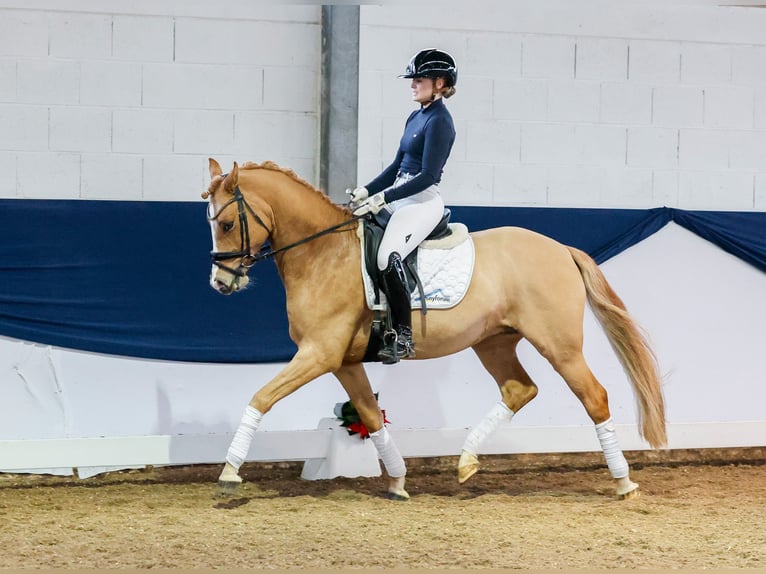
(423, 151)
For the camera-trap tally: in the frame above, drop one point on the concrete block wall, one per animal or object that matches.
(99, 101)
(560, 102)
(581, 103)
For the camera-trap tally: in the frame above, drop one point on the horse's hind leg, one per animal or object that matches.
(575, 371)
(498, 355)
(354, 380)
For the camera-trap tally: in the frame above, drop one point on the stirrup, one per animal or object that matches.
(396, 348)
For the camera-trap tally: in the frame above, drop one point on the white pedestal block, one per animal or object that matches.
(347, 455)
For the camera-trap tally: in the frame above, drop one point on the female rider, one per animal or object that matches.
(408, 189)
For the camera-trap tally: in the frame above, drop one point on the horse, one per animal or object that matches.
(525, 285)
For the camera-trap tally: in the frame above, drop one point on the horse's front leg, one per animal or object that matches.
(357, 385)
(307, 364)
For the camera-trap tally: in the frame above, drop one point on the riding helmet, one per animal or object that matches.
(432, 63)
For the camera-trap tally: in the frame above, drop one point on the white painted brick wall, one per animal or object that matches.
(143, 38)
(548, 57)
(602, 59)
(23, 128)
(109, 83)
(48, 175)
(655, 62)
(23, 34)
(47, 82)
(759, 113)
(77, 36)
(7, 81)
(573, 101)
(730, 107)
(80, 129)
(760, 192)
(142, 131)
(707, 64)
(625, 103)
(677, 106)
(558, 103)
(704, 149)
(623, 108)
(111, 176)
(8, 171)
(130, 105)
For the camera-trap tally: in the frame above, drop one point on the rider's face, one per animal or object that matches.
(422, 90)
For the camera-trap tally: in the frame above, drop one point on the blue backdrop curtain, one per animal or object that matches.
(131, 278)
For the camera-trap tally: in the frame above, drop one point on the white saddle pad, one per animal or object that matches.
(445, 269)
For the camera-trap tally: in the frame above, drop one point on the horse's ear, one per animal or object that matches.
(232, 179)
(215, 168)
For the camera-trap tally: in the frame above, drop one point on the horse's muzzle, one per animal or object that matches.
(222, 287)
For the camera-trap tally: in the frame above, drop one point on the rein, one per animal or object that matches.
(247, 259)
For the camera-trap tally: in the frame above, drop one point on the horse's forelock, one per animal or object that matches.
(215, 182)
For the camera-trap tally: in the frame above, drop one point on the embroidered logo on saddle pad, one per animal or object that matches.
(445, 268)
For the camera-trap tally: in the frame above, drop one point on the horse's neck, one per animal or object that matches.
(300, 212)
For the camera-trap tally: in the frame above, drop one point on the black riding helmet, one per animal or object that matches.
(432, 63)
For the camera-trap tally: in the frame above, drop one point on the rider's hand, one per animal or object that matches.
(358, 195)
(372, 204)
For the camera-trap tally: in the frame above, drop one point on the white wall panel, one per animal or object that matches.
(626, 103)
(602, 59)
(80, 129)
(48, 175)
(142, 38)
(548, 57)
(705, 63)
(111, 176)
(23, 34)
(729, 107)
(677, 106)
(8, 171)
(77, 36)
(47, 82)
(141, 130)
(110, 83)
(702, 308)
(23, 128)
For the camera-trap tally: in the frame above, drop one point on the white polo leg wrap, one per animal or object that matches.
(388, 453)
(615, 460)
(240, 444)
(498, 414)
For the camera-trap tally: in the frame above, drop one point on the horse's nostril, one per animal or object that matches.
(222, 287)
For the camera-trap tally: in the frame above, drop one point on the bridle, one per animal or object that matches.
(246, 258)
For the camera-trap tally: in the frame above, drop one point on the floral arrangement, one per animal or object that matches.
(354, 425)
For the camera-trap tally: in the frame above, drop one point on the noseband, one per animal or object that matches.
(248, 259)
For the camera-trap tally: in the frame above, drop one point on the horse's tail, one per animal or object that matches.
(630, 344)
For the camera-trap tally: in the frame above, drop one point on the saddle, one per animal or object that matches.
(374, 227)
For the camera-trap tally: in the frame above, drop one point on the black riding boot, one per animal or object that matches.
(398, 342)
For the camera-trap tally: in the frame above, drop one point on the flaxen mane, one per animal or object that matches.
(273, 166)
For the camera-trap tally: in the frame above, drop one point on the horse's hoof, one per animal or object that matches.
(398, 495)
(467, 466)
(227, 488)
(627, 491)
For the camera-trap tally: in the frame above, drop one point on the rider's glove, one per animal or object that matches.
(372, 204)
(358, 195)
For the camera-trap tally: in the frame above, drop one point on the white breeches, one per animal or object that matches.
(412, 219)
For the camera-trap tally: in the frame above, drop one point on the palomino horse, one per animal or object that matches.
(524, 286)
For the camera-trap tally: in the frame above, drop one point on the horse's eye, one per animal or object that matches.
(227, 226)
